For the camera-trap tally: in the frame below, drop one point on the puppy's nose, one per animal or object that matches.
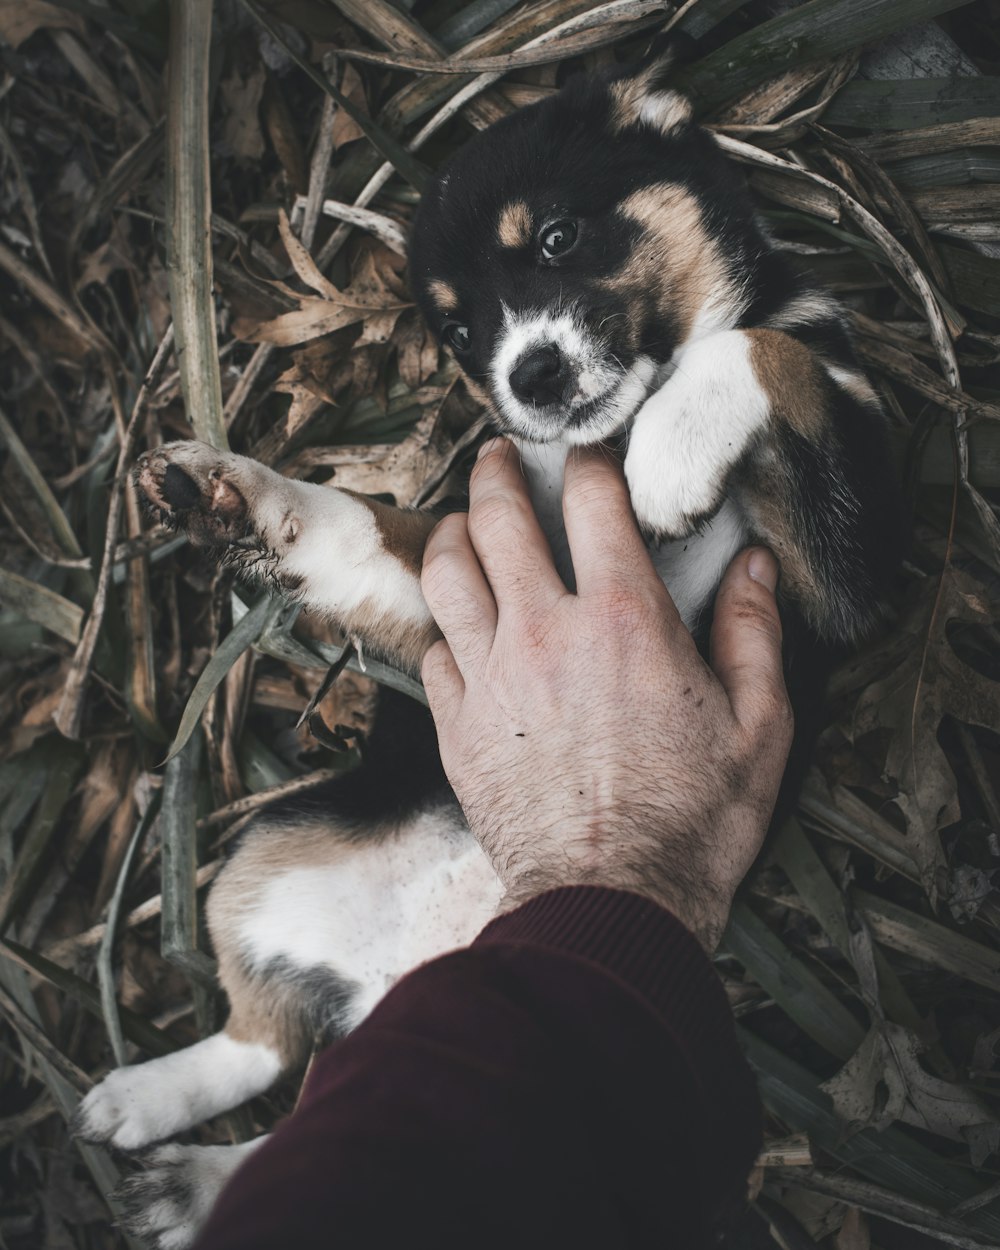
(540, 378)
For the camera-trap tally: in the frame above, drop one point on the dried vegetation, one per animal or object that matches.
(246, 200)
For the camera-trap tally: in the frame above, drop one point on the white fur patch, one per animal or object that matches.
(803, 310)
(691, 568)
(168, 1203)
(385, 907)
(721, 311)
(597, 379)
(147, 1102)
(339, 554)
(854, 382)
(689, 434)
(665, 111)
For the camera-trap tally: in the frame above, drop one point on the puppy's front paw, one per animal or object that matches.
(672, 495)
(198, 489)
(127, 1109)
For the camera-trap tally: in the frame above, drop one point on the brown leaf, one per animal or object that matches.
(884, 1081)
(929, 683)
(320, 374)
(368, 296)
(378, 328)
(283, 132)
(345, 128)
(854, 1233)
(241, 94)
(417, 350)
(302, 261)
(113, 254)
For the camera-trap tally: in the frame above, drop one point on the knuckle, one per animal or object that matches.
(437, 573)
(585, 493)
(775, 717)
(434, 662)
(491, 516)
(622, 607)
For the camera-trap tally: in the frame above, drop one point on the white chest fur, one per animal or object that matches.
(690, 568)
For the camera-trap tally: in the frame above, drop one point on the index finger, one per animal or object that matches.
(508, 539)
(607, 549)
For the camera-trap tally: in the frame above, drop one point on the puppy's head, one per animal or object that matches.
(566, 252)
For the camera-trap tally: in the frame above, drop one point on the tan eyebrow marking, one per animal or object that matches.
(514, 227)
(443, 294)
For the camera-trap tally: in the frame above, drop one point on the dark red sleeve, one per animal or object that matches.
(571, 1079)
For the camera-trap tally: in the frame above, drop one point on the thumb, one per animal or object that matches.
(745, 644)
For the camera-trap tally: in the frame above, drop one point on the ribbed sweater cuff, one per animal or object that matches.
(638, 942)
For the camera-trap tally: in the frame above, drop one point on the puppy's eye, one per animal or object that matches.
(457, 337)
(558, 238)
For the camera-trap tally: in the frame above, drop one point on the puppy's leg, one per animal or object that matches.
(353, 559)
(798, 443)
(687, 437)
(167, 1203)
(146, 1102)
(266, 1034)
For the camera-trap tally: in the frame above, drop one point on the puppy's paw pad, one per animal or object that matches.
(196, 487)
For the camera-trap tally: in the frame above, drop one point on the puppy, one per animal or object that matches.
(595, 266)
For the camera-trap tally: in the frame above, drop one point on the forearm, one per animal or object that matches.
(572, 1078)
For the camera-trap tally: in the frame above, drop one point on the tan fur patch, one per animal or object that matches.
(514, 226)
(791, 377)
(443, 294)
(403, 531)
(676, 260)
(264, 1010)
(404, 643)
(635, 100)
(769, 518)
(626, 95)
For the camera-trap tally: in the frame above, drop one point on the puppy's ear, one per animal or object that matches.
(640, 95)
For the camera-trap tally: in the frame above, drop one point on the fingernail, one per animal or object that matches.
(763, 568)
(490, 445)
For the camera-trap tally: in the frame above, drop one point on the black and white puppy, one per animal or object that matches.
(595, 265)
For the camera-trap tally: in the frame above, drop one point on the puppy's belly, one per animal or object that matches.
(377, 911)
(691, 568)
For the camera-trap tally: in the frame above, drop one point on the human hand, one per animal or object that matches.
(586, 738)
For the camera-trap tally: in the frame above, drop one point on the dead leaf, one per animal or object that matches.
(345, 128)
(929, 683)
(416, 348)
(113, 254)
(19, 19)
(283, 131)
(369, 296)
(854, 1233)
(884, 1081)
(241, 96)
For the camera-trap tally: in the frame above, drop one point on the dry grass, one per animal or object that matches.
(864, 962)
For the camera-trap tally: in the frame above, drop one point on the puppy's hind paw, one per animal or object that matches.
(166, 1204)
(196, 488)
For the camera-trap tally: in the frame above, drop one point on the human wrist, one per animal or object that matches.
(703, 913)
